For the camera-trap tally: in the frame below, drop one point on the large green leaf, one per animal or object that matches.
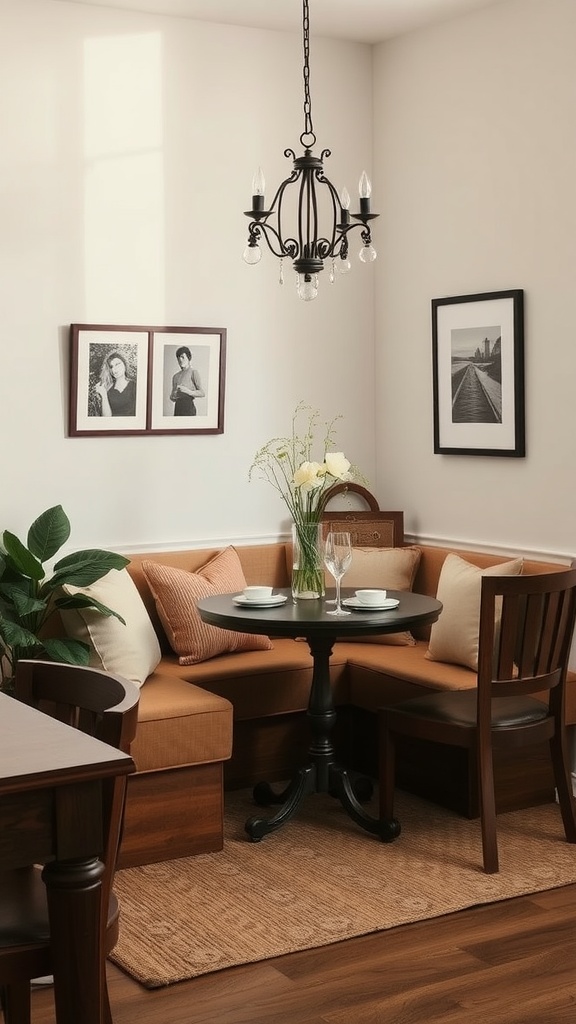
(82, 568)
(20, 558)
(72, 652)
(48, 533)
(15, 635)
(82, 601)
(22, 603)
(12, 583)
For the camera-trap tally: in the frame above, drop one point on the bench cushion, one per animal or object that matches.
(260, 684)
(180, 724)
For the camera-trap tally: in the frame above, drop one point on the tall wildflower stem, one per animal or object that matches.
(287, 463)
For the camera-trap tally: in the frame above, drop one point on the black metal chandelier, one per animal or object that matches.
(310, 244)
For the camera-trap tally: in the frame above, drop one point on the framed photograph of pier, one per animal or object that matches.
(478, 374)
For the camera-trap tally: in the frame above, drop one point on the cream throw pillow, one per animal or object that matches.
(388, 569)
(130, 650)
(176, 592)
(454, 637)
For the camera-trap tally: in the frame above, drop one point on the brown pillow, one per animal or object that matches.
(389, 569)
(176, 592)
(454, 637)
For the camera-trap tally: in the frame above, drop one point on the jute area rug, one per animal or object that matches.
(321, 879)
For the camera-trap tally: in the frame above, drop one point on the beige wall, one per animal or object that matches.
(129, 143)
(128, 146)
(476, 155)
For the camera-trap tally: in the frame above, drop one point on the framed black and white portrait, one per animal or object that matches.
(478, 374)
(129, 380)
(108, 380)
(188, 367)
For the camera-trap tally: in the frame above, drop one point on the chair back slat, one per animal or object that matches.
(526, 629)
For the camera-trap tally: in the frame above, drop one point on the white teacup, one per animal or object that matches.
(371, 597)
(257, 593)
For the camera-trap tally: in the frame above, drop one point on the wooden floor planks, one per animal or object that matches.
(512, 962)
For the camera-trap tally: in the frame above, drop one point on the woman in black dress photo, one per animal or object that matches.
(117, 391)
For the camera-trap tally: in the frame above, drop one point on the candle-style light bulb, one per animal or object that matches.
(365, 190)
(258, 188)
(344, 206)
(258, 183)
(364, 186)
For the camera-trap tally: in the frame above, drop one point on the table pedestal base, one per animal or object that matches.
(304, 783)
(323, 774)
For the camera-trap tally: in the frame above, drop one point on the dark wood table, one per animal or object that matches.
(310, 619)
(51, 781)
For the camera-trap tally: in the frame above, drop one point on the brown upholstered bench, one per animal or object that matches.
(239, 717)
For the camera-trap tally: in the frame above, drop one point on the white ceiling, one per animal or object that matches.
(366, 21)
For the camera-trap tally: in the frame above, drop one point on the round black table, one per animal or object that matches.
(310, 619)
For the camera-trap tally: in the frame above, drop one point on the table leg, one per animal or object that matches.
(343, 788)
(304, 782)
(323, 774)
(74, 894)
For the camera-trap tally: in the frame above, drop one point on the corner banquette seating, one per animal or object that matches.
(239, 717)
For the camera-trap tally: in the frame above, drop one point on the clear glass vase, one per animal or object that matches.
(307, 561)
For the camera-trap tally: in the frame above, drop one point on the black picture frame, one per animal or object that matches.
(478, 374)
(145, 357)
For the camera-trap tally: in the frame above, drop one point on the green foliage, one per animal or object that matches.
(28, 597)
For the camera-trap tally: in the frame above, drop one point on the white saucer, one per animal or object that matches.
(386, 606)
(268, 602)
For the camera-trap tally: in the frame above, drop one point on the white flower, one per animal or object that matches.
(337, 465)
(309, 476)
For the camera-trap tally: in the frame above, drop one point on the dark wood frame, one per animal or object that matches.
(147, 348)
(476, 314)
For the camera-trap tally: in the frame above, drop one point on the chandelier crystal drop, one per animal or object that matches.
(323, 218)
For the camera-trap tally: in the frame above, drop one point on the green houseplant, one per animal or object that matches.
(28, 597)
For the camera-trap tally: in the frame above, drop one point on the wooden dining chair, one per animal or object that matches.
(104, 706)
(526, 628)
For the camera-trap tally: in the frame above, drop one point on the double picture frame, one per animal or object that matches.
(132, 380)
(478, 374)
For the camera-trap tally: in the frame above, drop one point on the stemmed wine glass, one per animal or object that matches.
(337, 558)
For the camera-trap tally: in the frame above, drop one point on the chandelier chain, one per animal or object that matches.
(323, 218)
(308, 127)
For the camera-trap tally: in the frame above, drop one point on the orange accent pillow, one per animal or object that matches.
(176, 592)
